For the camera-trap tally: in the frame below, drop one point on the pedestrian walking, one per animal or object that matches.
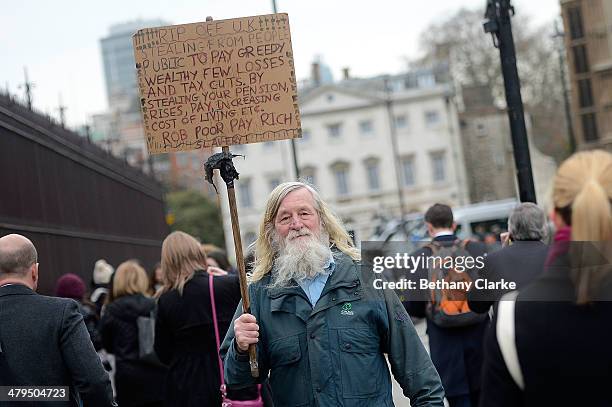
(519, 262)
(455, 332)
(138, 382)
(185, 333)
(43, 340)
(72, 286)
(550, 345)
(101, 279)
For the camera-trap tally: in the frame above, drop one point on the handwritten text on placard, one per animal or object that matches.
(217, 83)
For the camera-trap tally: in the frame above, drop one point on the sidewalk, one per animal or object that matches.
(398, 398)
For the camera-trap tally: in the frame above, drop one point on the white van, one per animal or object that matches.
(481, 218)
(472, 221)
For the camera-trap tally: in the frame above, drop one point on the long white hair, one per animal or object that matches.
(265, 250)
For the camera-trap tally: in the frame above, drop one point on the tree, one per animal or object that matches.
(460, 42)
(194, 214)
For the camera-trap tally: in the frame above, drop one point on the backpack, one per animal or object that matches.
(448, 307)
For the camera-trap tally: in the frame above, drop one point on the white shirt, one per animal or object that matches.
(444, 233)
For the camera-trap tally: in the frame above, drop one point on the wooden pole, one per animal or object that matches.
(244, 289)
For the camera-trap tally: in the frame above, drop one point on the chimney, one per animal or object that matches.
(346, 73)
(315, 74)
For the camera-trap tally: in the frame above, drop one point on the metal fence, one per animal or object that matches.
(75, 201)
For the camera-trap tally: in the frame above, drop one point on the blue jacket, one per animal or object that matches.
(333, 355)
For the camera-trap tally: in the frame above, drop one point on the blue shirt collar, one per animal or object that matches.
(330, 265)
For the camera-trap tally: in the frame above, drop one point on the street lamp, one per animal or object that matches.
(498, 24)
(293, 149)
(394, 146)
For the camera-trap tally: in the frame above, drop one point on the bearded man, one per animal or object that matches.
(320, 328)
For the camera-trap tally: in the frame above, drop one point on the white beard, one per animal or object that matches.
(300, 258)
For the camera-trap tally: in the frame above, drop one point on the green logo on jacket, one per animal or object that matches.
(347, 309)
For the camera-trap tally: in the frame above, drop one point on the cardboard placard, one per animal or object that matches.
(217, 83)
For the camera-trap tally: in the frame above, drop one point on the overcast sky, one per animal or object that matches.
(59, 41)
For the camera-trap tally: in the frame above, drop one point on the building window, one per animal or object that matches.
(438, 167)
(481, 130)
(341, 178)
(410, 82)
(499, 160)
(196, 161)
(432, 118)
(426, 80)
(574, 16)
(274, 182)
(305, 136)
(401, 122)
(408, 171)
(373, 174)
(366, 127)
(589, 127)
(585, 93)
(334, 131)
(307, 174)
(581, 62)
(244, 193)
(161, 163)
(182, 159)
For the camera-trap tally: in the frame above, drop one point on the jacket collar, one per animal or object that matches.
(342, 285)
(445, 238)
(344, 275)
(16, 289)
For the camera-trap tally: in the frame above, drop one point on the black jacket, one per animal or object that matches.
(185, 340)
(457, 353)
(136, 382)
(44, 342)
(91, 319)
(521, 262)
(563, 348)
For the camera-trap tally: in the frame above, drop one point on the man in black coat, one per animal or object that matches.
(43, 340)
(456, 352)
(520, 262)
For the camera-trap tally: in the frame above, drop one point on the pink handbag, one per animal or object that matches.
(225, 402)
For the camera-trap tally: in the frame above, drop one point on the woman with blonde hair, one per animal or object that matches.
(184, 331)
(550, 343)
(138, 383)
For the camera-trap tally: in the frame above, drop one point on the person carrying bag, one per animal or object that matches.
(226, 402)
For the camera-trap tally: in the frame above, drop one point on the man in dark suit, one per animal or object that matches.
(520, 261)
(43, 340)
(456, 352)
